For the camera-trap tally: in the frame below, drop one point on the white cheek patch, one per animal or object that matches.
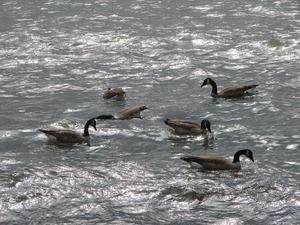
(208, 81)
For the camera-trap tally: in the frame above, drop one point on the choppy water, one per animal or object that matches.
(57, 58)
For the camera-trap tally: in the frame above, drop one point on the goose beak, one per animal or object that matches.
(95, 127)
(251, 157)
(203, 84)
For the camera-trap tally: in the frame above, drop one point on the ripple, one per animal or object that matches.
(58, 56)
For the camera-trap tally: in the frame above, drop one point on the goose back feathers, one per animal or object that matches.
(229, 92)
(212, 162)
(126, 114)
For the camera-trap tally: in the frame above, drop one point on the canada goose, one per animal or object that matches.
(229, 92)
(125, 114)
(186, 127)
(70, 136)
(211, 162)
(119, 93)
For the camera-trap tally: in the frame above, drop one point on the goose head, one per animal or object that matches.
(90, 122)
(207, 81)
(246, 152)
(205, 124)
(93, 123)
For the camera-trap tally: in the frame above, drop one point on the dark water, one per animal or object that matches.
(57, 58)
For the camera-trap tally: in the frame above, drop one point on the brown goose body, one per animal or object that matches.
(130, 113)
(229, 92)
(70, 136)
(126, 114)
(213, 162)
(118, 93)
(187, 127)
(65, 135)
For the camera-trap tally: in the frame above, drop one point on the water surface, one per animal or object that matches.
(57, 58)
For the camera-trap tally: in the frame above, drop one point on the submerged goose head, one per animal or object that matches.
(212, 162)
(125, 114)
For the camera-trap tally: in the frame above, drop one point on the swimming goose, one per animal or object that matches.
(119, 93)
(229, 92)
(70, 136)
(211, 162)
(186, 127)
(125, 114)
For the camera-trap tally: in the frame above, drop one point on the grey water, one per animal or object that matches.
(57, 57)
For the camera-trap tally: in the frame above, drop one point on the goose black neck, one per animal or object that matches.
(214, 87)
(86, 128)
(105, 117)
(236, 157)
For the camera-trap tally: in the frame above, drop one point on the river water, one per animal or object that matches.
(58, 56)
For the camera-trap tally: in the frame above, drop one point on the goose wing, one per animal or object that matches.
(64, 135)
(205, 159)
(186, 124)
(236, 91)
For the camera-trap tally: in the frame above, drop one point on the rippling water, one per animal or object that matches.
(57, 58)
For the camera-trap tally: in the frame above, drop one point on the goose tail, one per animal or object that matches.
(170, 122)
